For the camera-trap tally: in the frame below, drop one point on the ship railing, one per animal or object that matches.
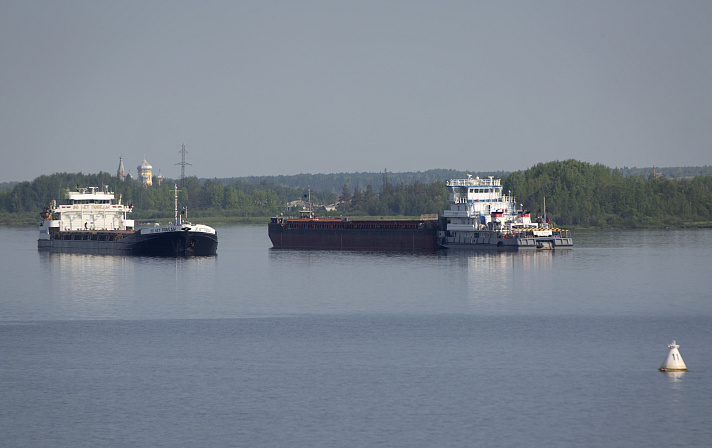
(528, 232)
(473, 182)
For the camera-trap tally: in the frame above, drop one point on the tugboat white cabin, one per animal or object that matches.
(482, 216)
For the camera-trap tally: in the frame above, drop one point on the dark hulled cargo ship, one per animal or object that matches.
(92, 223)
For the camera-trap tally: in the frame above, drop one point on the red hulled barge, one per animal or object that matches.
(308, 232)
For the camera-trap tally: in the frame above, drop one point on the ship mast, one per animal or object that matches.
(311, 212)
(175, 197)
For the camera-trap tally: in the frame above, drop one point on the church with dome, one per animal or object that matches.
(144, 173)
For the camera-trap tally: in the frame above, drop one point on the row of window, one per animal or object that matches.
(484, 190)
(91, 201)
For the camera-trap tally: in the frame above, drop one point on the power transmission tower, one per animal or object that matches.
(182, 164)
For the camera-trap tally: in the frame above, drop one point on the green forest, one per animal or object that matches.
(577, 194)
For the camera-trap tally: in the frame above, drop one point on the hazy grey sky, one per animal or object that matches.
(283, 87)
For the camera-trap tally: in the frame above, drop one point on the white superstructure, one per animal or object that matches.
(86, 209)
(480, 204)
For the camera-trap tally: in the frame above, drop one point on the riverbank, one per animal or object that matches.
(31, 219)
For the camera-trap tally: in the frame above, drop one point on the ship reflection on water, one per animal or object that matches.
(104, 286)
(506, 279)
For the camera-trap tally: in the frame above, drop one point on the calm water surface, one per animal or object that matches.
(259, 347)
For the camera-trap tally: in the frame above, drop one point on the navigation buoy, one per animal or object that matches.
(674, 361)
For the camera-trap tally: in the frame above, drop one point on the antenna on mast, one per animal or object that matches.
(182, 164)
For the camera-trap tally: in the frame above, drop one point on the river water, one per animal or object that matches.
(263, 347)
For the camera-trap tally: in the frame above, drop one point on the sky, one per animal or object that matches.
(315, 86)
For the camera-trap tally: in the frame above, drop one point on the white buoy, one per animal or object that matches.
(674, 361)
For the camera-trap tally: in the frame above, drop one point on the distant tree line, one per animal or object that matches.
(582, 194)
(334, 182)
(395, 200)
(673, 172)
(576, 194)
(204, 198)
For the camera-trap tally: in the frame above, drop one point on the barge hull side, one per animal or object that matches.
(352, 239)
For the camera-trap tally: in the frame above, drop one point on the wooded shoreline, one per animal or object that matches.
(577, 194)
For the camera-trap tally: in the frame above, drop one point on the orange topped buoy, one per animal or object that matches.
(674, 361)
